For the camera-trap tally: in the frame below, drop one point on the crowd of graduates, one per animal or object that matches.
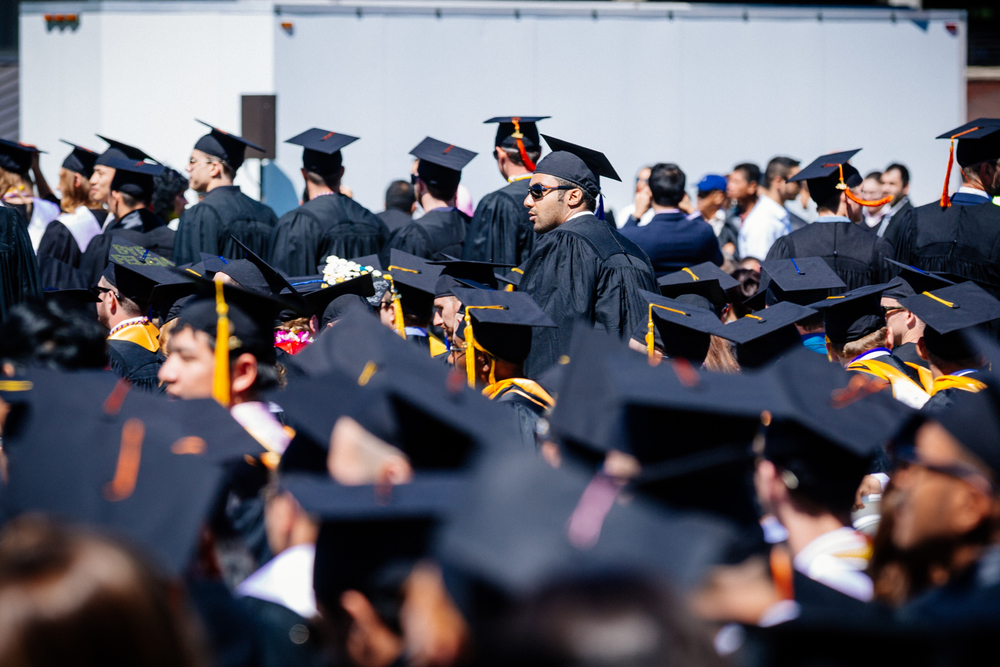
(505, 438)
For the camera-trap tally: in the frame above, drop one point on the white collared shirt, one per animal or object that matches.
(965, 189)
(286, 579)
(766, 223)
(82, 224)
(43, 212)
(838, 559)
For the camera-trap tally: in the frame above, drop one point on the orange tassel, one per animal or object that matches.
(853, 197)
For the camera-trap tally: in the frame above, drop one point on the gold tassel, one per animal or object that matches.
(650, 336)
(220, 385)
(470, 351)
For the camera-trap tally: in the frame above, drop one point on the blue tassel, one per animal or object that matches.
(600, 207)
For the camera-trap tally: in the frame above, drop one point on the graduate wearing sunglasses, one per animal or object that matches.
(581, 268)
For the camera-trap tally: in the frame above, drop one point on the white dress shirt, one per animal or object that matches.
(286, 579)
(766, 223)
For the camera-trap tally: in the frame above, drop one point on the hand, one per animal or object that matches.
(643, 200)
(685, 205)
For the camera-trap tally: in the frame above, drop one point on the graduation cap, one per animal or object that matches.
(828, 174)
(512, 279)
(705, 279)
(441, 164)
(213, 264)
(499, 323)
(118, 150)
(827, 426)
(74, 298)
(255, 275)
(576, 164)
(685, 326)
(948, 313)
(973, 419)
(917, 279)
(414, 284)
(16, 157)
(801, 280)
(135, 282)
(526, 524)
(81, 160)
(317, 294)
(853, 315)
(978, 141)
(321, 154)
(229, 148)
(761, 338)
(141, 466)
(238, 320)
(518, 132)
(134, 178)
(461, 273)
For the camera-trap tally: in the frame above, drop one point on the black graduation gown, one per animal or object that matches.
(327, 225)
(440, 232)
(500, 230)
(964, 240)
(526, 412)
(395, 219)
(136, 364)
(19, 279)
(945, 398)
(584, 270)
(907, 353)
(225, 212)
(58, 242)
(142, 227)
(853, 254)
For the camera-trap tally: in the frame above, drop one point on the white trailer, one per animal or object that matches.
(706, 86)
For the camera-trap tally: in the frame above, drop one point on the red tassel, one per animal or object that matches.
(945, 200)
(520, 145)
(853, 197)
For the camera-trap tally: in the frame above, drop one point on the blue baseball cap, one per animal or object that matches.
(712, 182)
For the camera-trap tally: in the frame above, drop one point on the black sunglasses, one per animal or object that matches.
(413, 179)
(537, 191)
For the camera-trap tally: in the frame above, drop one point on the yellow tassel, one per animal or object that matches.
(397, 312)
(650, 336)
(220, 386)
(470, 351)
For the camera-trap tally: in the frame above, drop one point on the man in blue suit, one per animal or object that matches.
(672, 239)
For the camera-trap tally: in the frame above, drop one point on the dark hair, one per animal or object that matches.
(331, 180)
(76, 598)
(750, 171)
(904, 173)
(46, 335)
(400, 196)
(589, 200)
(514, 155)
(779, 167)
(874, 174)
(132, 200)
(749, 284)
(667, 182)
(166, 186)
(950, 348)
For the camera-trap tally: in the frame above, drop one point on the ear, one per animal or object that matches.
(244, 373)
(574, 197)
(922, 349)
(971, 508)
(341, 172)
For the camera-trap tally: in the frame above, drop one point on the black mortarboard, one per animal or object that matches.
(318, 294)
(157, 273)
(70, 297)
(126, 252)
(954, 307)
(526, 524)
(762, 337)
(826, 173)
(134, 282)
(853, 315)
(259, 277)
(919, 279)
(801, 280)
(80, 160)
(503, 332)
(339, 307)
(16, 157)
(250, 315)
(974, 419)
(134, 178)
(120, 151)
(705, 279)
(415, 280)
(461, 273)
(512, 278)
(681, 327)
(321, 154)
(213, 264)
(227, 147)
(507, 131)
(826, 429)
(138, 465)
(441, 164)
(578, 165)
(898, 289)
(978, 141)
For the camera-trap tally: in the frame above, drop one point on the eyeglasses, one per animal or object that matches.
(890, 309)
(537, 191)
(413, 179)
(101, 291)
